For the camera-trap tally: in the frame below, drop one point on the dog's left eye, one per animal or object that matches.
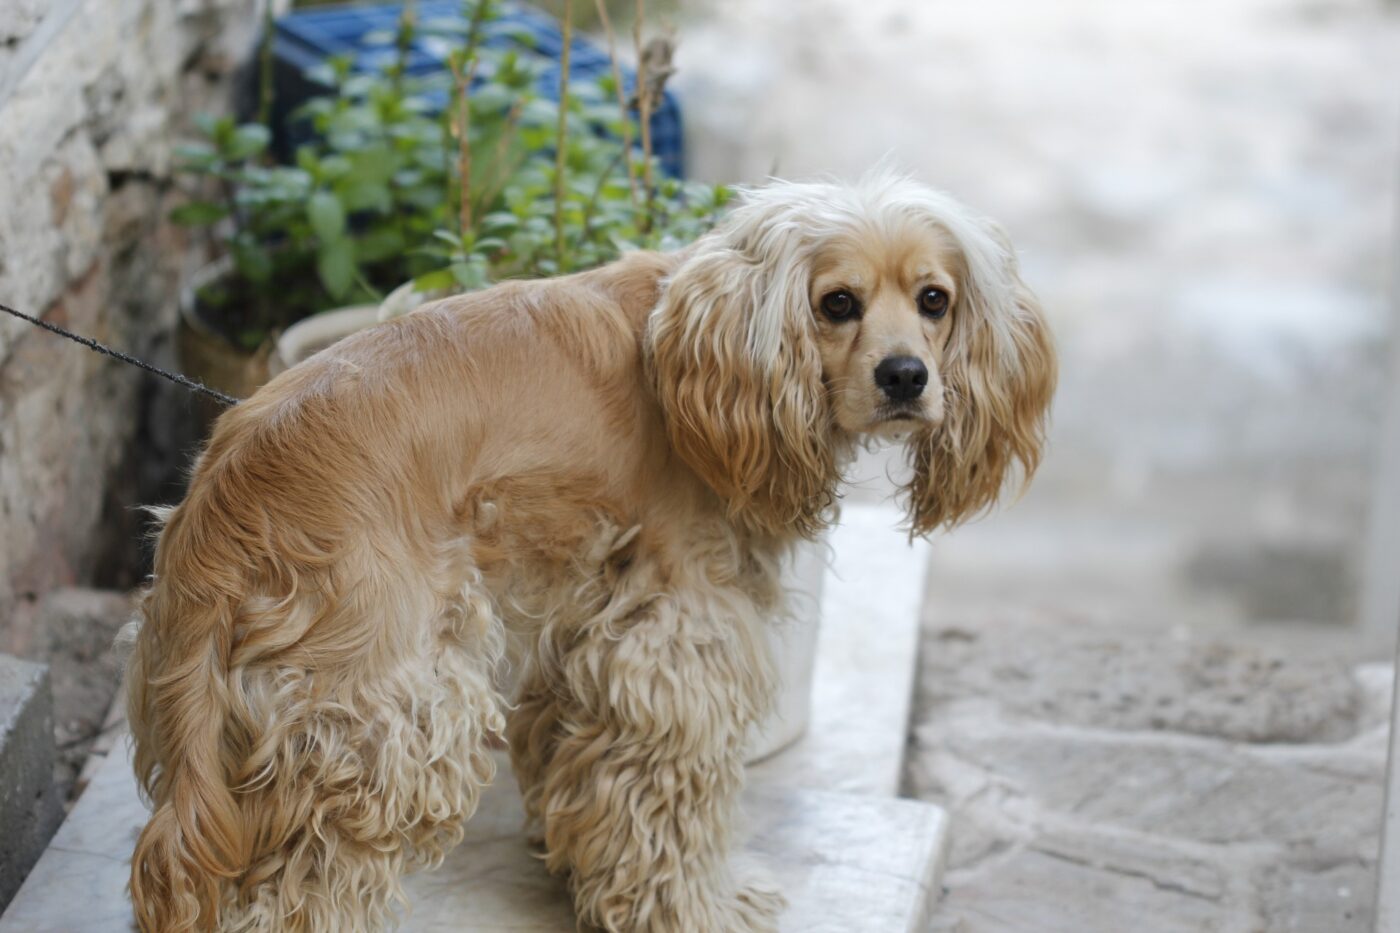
(933, 302)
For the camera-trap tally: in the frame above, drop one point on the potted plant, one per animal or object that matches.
(337, 228)
(375, 196)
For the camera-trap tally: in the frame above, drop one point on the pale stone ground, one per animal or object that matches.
(1103, 779)
(1141, 694)
(1201, 193)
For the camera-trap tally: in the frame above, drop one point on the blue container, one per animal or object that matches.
(307, 38)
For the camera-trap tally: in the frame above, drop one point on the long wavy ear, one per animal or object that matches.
(731, 355)
(998, 378)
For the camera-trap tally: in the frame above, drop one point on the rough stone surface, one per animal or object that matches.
(102, 89)
(1253, 693)
(1227, 787)
(846, 863)
(1015, 899)
(30, 808)
(1202, 194)
(76, 629)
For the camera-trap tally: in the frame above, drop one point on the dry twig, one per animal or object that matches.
(461, 123)
(403, 41)
(265, 63)
(643, 113)
(503, 166)
(621, 99)
(562, 137)
(653, 68)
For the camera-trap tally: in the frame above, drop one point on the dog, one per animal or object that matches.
(587, 482)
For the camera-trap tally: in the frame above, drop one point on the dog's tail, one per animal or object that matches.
(177, 704)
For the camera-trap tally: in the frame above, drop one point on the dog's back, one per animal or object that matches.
(318, 558)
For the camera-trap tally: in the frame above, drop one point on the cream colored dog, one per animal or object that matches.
(589, 481)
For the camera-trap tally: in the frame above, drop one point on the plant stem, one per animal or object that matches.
(562, 137)
(373, 292)
(591, 210)
(461, 128)
(621, 100)
(463, 81)
(229, 188)
(500, 172)
(644, 104)
(403, 42)
(265, 67)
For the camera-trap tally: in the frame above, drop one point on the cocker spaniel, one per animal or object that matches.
(588, 483)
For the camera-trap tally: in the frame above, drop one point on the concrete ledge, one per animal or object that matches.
(867, 655)
(30, 810)
(848, 864)
(822, 818)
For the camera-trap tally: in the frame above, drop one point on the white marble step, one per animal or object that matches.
(846, 863)
(821, 816)
(867, 656)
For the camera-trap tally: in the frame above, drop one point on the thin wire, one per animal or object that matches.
(101, 348)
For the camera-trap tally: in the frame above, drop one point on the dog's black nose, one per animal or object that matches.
(901, 377)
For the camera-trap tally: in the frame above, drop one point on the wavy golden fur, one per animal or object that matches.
(554, 512)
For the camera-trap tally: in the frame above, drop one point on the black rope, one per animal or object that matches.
(100, 348)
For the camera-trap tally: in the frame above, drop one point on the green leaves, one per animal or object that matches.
(252, 260)
(335, 264)
(471, 274)
(198, 213)
(335, 257)
(326, 215)
(374, 199)
(196, 157)
(246, 141)
(379, 244)
(435, 281)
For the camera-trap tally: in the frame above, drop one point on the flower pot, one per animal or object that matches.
(313, 334)
(794, 646)
(206, 354)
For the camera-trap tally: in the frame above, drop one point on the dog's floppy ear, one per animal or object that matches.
(998, 376)
(731, 355)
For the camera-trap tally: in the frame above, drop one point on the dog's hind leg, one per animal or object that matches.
(365, 765)
(635, 767)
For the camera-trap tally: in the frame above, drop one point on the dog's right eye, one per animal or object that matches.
(840, 305)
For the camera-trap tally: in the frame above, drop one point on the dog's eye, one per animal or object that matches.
(933, 302)
(840, 305)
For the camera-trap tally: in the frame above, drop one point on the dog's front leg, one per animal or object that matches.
(641, 777)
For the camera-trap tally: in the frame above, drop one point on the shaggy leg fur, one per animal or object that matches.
(340, 778)
(633, 764)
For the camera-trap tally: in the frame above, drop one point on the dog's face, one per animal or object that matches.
(883, 305)
(817, 314)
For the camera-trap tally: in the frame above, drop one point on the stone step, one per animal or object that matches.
(867, 656)
(846, 863)
(822, 818)
(30, 809)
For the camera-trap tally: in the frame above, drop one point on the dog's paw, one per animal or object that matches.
(752, 908)
(758, 904)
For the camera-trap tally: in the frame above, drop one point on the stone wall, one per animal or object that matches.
(93, 93)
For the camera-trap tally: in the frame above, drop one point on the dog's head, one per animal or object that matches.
(816, 314)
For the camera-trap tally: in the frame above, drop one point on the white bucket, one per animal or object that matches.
(794, 646)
